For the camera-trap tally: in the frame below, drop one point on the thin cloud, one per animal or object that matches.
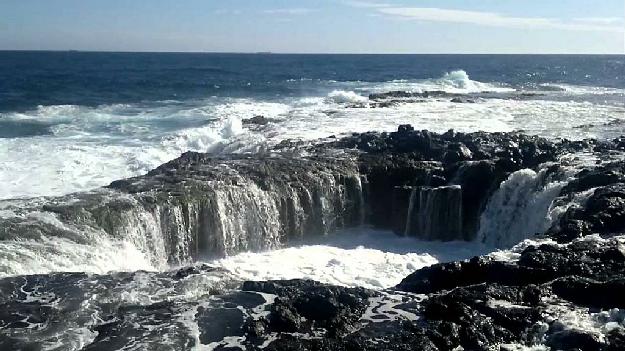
(494, 19)
(600, 20)
(292, 11)
(366, 4)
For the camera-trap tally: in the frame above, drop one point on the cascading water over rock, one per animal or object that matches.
(520, 208)
(201, 206)
(435, 213)
(432, 213)
(215, 207)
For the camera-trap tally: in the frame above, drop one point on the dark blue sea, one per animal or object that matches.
(29, 79)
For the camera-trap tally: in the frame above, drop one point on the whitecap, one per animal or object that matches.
(342, 97)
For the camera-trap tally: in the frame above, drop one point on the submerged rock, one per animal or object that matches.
(258, 120)
(459, 100)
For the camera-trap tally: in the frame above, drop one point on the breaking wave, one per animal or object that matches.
(73, 148)
(454, 82)
(341, 96)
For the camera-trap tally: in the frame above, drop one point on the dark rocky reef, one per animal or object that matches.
(433, 186)
(400, 166)
(203, 205)
(259, 120)
(487, 303)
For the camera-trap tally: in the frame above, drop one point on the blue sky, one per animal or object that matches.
(334, 26)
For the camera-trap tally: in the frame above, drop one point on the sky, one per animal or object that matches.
(316, 26)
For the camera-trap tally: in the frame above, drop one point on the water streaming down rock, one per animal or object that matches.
(202, 208)
(439, 214)
(246, 217)
(521, 207)
(244, 207)
(432, 213)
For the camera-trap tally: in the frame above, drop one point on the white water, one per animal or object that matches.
(90, 147)
(356, 257)
(520, 208)
(62, 255)
(41, 242)
(455, 82)
(524, 205)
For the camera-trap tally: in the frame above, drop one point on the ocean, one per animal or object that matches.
(72, 121)
(89, 268)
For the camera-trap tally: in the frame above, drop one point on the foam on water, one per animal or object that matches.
(454, 82)
(580, 89)
(341, 96)
(48, 255)
(84, 154)
(67, 148)
(356, 257)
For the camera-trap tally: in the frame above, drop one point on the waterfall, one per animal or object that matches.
(434, 213)
(520, 208)
(197, 218)
(240, 215)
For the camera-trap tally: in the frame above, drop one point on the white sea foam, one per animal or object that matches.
(341, 96)
(519, 209)
(53, 254)
(582, 89)
(356, 257)
(95, 148)
(455, 82)
(563, 315)
(91, 146)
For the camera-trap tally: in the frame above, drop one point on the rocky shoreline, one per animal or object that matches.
(563, 291)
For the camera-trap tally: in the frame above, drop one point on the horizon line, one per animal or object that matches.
(301, 53)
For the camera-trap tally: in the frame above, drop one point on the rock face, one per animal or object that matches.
(604, 213)
(434, 213)
(201, 205)
(258, 120)
(396, 163)
(563, 290)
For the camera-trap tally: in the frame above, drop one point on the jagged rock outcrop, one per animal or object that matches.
(397, 163)
(202, 205)
(434, 186)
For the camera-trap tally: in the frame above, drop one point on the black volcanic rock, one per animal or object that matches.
(592, 293)
(399, 94)
(305, 305)
(298, 190)
(536, 265)
(616, 340)
(459, 100)
(446, 276)
(457, 152)
(602, 175)
(603, 213)
(573, 340)
(258, 120)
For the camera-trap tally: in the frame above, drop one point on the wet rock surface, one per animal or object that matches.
(563, 290)
(258, 120)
